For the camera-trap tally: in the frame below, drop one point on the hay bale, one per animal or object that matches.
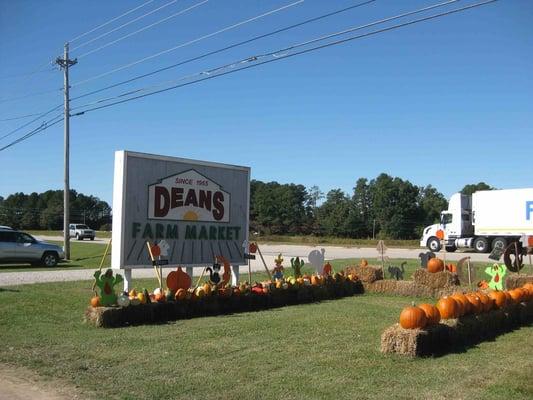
(513, 280)
(408, 288)
(435, 280)
(415, 342)
(365, 273)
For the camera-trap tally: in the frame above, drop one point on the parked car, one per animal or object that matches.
(5, 227)
(81, 231)
(20, 247)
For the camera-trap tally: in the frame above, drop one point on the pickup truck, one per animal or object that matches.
(81, 231)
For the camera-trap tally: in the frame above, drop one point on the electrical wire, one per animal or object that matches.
(123, 25)
(110, 21)
(320, 17)
(143, 29)
(283, 56)
(31, 122)
(44, 126)
(35, 94)
(20, 117)
(39, 71)
(188, 43)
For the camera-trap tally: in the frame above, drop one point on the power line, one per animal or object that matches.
(273, 53)
(226, 48)
(144, 28)
(19, 117)
(44, 126)
(31, 122)
(34, 94)
(189, 42)
(39, 71)
(123, 25)
(111, 20)
(284, 56)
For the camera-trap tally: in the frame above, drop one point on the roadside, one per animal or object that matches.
(17, 383)
(269, 251)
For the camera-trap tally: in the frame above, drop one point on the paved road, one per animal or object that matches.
(270, 251)
(60, 239)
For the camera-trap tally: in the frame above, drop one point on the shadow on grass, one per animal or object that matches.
(9, 290)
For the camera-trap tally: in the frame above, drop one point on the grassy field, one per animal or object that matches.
(99, 234)
(83, 255)
(330, 240)
(327, 350)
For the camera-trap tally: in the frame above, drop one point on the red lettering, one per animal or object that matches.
(161, 208)
(176, 198)
(218, 211)
(191, 198)
(205, 200)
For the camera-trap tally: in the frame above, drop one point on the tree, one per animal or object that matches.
(334, 215)
(431, 202)
(314, 196)
(474, 187)
(362, 208)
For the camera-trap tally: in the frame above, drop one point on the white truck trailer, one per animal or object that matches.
(483, 221)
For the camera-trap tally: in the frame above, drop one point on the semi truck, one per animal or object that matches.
(483, 221)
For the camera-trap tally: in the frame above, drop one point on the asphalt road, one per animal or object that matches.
(269, 251)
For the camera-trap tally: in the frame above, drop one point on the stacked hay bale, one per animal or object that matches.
(365, 273)
(514, 280)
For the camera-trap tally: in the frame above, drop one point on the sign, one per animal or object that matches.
(196, 210)
(381, 248)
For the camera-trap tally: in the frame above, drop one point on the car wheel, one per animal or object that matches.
(50, 259)
(500, 243)
(92, 238)
(451, 249)
(481, 245)
(78, 237)
(434, 244)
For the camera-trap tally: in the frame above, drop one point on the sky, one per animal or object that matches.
(445, 102)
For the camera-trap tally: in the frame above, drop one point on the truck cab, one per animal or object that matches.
(455, 223)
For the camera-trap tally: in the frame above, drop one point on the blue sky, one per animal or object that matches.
(445, 102)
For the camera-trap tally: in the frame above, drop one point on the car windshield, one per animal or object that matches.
(82, 226)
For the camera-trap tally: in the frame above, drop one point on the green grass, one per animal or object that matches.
(330, 240)
(99, 234)
(83, 255)
(327, 350)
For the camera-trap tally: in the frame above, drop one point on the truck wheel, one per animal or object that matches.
(500, 243)
(451, 249)
(49, 259)
(481, 245)
(434, 244)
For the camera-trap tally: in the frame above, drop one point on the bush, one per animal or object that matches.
(106, 227)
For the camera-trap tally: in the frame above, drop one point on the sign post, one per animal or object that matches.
(197, 209)
(382, 249)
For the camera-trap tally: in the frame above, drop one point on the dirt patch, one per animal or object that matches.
(17, 383)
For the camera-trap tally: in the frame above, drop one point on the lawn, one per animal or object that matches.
(327, 350)
(330, 240)
(83, 255)
(99, 234)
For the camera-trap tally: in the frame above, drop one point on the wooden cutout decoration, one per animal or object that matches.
(178, 280)
(106, 283)
(226, 275)
(425, 257)
(316, 259)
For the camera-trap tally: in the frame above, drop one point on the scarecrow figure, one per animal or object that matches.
(278, 269)
(497, 273)
(106, 284)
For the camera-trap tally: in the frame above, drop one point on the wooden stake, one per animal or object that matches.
(154, 265)
(264, 264)
(102, 261)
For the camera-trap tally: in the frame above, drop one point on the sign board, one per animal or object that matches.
(198, 209)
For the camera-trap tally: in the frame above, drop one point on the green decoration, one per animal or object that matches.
(106, 283)
(297, 265)
(497, 273)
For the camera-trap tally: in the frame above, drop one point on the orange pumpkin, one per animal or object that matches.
(207, 289)
(435, 265)
(528, 287)
(160, 297)
(432, 313)
(178, 280)
(181, 294)
(95, 301)
(315, 280)
(452, 268)
(486, 302)
(516, 295)
(448, 308)
(498, 298)
(462, 301)
(413, 318)
(509, 299)
(475, 303)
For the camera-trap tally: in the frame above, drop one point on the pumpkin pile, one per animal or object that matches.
(461, 304)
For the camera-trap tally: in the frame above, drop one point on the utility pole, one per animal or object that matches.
(65, 63)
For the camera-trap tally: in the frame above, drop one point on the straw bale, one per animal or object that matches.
(435, 280)
(513, 280)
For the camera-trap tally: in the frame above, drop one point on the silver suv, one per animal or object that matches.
(20, 247)
(81, 231)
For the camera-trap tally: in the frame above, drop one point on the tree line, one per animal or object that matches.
(383, 207)
(45, 210)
